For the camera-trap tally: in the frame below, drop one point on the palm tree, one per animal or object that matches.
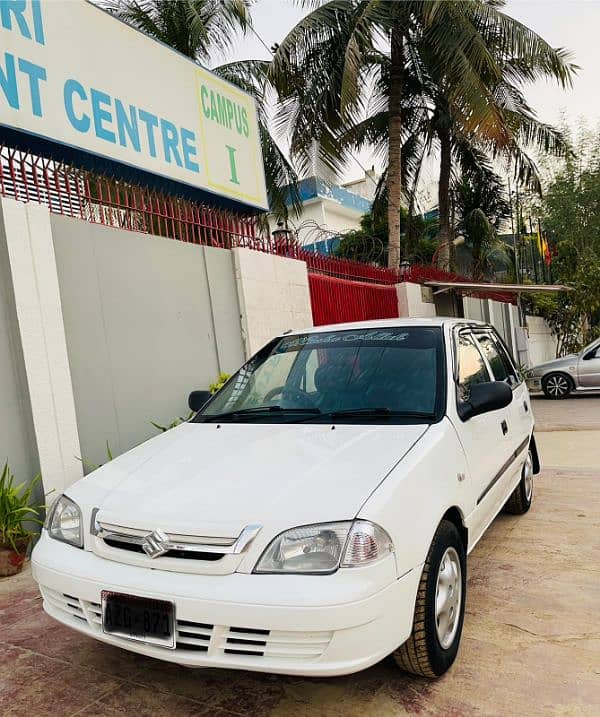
(199, 29)
(481, 206)
(449, 76)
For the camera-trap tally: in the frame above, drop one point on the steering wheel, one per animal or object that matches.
(295, 395)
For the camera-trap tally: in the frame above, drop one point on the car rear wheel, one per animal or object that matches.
(440, 608)
(557, 385)
(522, 496)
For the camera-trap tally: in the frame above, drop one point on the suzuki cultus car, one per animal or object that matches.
(313, 516)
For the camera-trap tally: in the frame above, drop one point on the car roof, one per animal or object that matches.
(388, 324)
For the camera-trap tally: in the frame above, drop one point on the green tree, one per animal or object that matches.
(370, 243)
(200, 29)
(448, 75)
(481, 206)
(571, 218)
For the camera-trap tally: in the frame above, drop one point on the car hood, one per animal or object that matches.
(561, 363)
(206, 479)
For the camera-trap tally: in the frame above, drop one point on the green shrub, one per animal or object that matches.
(219, 383)
(15, 509)
(173, 423)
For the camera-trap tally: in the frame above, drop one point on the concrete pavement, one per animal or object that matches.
(568, 431)
(531, 641)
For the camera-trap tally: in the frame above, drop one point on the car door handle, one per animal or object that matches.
(525, 406)
(504, 426)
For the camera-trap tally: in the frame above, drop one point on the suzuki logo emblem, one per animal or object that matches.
(156, 543)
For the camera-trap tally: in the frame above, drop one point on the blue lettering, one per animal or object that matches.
(170, 141)
(127, 125)
(101, 115)
(16, 8)
(8, 81)
(151, 122)
(38, 25)
(72, 87)
(188, 140)
(35, 74)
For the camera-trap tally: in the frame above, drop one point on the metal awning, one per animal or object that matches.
(475, 286)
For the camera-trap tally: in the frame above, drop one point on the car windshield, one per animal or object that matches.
(368, 375)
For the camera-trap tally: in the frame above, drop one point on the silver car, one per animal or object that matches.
(576, 372)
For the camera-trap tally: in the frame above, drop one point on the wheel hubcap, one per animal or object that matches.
(557, 386)
(528, 477)
(448, 598)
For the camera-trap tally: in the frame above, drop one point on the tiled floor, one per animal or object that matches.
(531, 644)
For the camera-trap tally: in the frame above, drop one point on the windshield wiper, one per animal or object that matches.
(381, 412)
(257, 410)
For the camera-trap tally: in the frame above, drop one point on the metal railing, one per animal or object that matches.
(100, 199)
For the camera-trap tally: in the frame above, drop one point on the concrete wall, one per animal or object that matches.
(140, 328)
(415, 300)
(542, 344)
(273, 296)
(30, 271)
(17, 438)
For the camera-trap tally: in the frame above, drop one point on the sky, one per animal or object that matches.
(571, 24)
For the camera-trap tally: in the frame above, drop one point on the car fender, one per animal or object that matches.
(410, 503)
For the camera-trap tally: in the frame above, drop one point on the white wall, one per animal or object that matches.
(273, 294)
(31, 263)
(415, 300)
(542, 344)
(17, 437)
(144, 327)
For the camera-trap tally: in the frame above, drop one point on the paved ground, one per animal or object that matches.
(531, 644)
(568, 431)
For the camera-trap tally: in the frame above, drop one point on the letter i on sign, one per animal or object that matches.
(232, 168)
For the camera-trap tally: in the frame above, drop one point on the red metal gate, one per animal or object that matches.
(336, 300)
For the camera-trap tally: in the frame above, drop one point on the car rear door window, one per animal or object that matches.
(490, 350)
(513, 376)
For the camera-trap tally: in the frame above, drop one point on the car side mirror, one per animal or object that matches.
(197, 399)
(485, 397)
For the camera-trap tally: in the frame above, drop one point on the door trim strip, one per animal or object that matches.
(513, 456)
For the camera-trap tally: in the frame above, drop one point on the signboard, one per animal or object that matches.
(72, 74)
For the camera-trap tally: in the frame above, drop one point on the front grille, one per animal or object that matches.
(251, 643)
(182, 554)
(156, 545)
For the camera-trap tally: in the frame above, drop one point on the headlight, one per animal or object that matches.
(64, 522)
(320, 549)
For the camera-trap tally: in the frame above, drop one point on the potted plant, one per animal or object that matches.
(15, 509)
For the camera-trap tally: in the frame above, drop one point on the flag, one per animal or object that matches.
(547, 256)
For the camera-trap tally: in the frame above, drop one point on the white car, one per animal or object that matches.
(314, 516)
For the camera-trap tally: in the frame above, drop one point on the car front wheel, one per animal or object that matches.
(557, 386)
(440, 607)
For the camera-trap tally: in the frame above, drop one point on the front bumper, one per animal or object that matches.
(534, 383)
(290, 624)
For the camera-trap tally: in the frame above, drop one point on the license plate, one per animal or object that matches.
(138, 618)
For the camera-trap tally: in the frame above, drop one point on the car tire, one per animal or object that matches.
(557, 386)
(522, 496)
(432, 646)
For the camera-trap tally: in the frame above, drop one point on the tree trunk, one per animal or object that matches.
(394, 179)
(444, 235)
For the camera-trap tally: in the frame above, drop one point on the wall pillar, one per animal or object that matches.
(32, 268)
(273, 294)
(415, 300)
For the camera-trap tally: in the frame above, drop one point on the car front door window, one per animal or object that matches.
(471, 367)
